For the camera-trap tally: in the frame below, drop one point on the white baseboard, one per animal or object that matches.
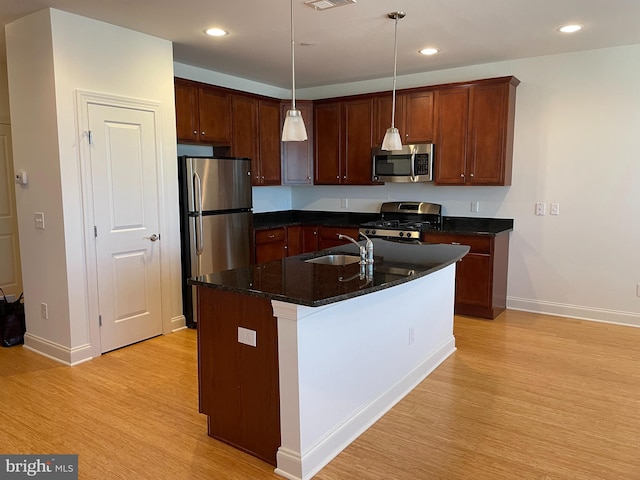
(574, 311)
(65, 355)
(178, 323)
(336, 441)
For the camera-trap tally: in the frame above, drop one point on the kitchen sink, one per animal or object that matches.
(338, 259)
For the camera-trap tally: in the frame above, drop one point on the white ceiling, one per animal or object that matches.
(355, 42)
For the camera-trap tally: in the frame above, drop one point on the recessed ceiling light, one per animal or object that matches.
(570, 28)
(429, 51)
(216, 32)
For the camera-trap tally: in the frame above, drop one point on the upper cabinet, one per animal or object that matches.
(297, 157)
(202, 113)
(414, 116)
(256, 135)
(471, 125)
(269, 138)
(343, 139)
(474, 132)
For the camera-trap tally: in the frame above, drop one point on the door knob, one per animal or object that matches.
(153, 237)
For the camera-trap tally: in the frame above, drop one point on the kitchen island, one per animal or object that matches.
(298, 358)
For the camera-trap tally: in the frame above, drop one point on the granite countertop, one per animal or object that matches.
(293, 280)
(452, 225)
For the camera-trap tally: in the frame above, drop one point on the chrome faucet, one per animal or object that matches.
(361, 248)
(369, 248)
(366, 252)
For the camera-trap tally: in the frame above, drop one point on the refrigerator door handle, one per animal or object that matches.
(197, 201)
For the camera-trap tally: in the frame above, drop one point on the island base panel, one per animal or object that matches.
(239, 390)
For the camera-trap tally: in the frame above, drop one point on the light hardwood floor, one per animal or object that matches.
(525, 397)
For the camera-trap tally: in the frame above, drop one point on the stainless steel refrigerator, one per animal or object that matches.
(216, 219)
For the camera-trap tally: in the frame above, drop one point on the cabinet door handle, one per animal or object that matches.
(203, 133)
(195, 132)
(462, 175)
(272, 235)
(455, 243)
(471, 175)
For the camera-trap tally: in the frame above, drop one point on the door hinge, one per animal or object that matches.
(95, 231)
(100, 320)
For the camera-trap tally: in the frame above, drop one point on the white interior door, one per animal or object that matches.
(10, 271)
(125, 202)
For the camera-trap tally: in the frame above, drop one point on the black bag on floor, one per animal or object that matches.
(12, 324)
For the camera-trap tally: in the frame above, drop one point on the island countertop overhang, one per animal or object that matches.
(294, 280)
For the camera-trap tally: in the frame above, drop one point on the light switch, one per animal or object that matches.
(38, 218)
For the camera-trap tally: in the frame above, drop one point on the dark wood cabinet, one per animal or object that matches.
(244, 120)
(270, 244)
(277, 243)
(239, 383)
(202, 113)
(357, 163)
(301, 239)
(452, 106)
(327, 133)
(343, 139)
(414, 116)
(269, 139)
(297, 157)
(256, 135)
(309, 238)
(328, 236)
(474, 132)
(481, 276)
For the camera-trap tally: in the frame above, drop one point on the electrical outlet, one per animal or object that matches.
(541, 208)
(344, 203)
(638, 290)
(554, 209)
(475, 206)
(412, 334)
(44, 311)
(246, 336)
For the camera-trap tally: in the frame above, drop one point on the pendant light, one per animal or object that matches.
(391, 139)
(294, 129)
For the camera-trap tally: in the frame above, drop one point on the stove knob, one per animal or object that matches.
(402, 234)
(373, 232)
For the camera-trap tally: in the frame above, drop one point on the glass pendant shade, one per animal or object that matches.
(294, 129)
(392, 140)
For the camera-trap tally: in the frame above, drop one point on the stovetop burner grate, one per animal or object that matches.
(404, 220)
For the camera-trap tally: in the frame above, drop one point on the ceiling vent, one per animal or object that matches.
(326, 4)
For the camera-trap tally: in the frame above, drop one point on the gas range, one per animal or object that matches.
(404, 220)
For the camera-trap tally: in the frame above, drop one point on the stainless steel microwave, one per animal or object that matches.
(414, 163)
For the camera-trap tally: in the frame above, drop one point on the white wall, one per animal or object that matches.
(576, 143)
(51, 54)
(228, 81)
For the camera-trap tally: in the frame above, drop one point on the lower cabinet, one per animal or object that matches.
(481, 276)
(271, 244)
(280, 242)
(328, 236)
